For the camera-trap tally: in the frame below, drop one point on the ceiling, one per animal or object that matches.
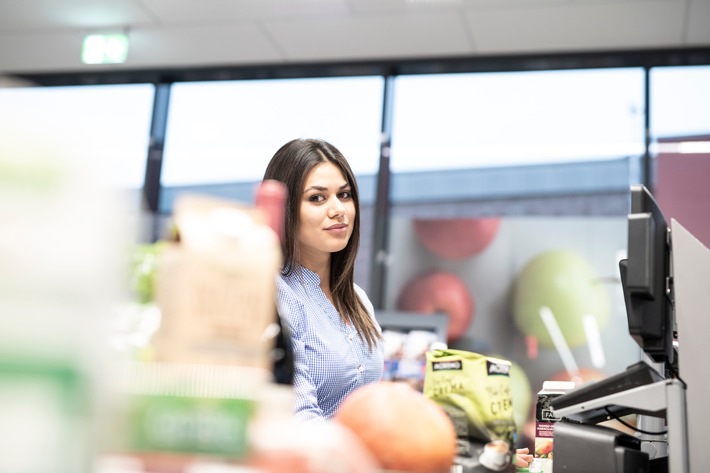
(45, 36)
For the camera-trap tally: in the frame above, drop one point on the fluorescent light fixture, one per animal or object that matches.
(105, 48)
(682, 147)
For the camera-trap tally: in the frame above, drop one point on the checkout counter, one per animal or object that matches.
(672, 412)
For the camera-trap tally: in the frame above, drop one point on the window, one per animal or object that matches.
(221, 135)
(105, 125)
(226, 132)
(482, 135)
(680, 102)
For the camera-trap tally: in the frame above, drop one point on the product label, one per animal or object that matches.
(544, 429)
(545, 420)
(475, 391)
(448, 365)
(498, 369)
(189, 425)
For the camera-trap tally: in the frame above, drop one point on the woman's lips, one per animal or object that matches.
(337, 228)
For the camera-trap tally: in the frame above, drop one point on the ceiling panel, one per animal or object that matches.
(579, 27)
(699, 23)
(53, 15)
(41, 52)
(404, 6)
(371, 37)
(200, 46)
(185, 33)
(401, 6)
(182, 11)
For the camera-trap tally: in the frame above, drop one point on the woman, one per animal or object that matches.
(337, 342)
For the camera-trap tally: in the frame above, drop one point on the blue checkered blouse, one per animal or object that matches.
(331, 360)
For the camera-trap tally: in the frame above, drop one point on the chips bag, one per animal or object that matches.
(475, 392)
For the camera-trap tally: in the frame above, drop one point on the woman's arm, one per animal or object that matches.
(293, 314)
(306, 406)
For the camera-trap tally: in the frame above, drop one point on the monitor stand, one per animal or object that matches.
(655, 445)
(663, 399)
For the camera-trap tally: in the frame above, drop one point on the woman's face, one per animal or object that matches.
(327, 213)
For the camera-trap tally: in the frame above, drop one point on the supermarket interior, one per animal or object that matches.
(362, 236)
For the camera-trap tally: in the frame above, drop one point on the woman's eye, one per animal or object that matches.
(316, 198)
(345, 195)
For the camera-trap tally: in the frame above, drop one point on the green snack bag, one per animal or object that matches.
(475, 392)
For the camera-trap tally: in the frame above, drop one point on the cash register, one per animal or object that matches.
(666, 280)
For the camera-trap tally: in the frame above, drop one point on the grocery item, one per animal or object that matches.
(212, 356)
(403, 429)
(216, 285)
(475, 392)
(61, 235)
(545, 420)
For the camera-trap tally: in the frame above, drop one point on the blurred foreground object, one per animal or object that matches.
(404, 430)
(137, 319)
(195, 397)
(315, 447)
(216, 285)
(61, 236)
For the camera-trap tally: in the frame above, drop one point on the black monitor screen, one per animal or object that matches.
(645, 276)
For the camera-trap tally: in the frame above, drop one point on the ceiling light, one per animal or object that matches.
(105, 48)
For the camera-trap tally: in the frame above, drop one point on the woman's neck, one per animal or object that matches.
(321, 267)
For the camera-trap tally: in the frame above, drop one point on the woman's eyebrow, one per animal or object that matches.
(323, 189)
(315, 188)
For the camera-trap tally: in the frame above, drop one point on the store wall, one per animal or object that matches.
(569, 264)
(683, 190)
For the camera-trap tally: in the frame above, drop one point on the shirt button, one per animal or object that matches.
(350, 336)
(361, 369)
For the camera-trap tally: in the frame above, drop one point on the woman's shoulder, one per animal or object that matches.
(360, 292)
(288, 302)
(365, 299)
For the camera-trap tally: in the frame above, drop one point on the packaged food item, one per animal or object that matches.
(475, 392)
(189, 409)
(216, 285)
(61, 234)
(545, 420)
(210, 360)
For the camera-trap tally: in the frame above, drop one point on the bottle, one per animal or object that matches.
(271, 199)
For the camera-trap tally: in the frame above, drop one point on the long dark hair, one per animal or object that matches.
(290, 165)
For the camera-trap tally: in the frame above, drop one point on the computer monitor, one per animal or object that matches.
(646, 278)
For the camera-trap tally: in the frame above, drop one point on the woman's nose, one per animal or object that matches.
(336, 209)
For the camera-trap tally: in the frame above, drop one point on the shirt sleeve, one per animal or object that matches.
(292, 313)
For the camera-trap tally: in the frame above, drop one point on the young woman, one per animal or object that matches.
(337, 342)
